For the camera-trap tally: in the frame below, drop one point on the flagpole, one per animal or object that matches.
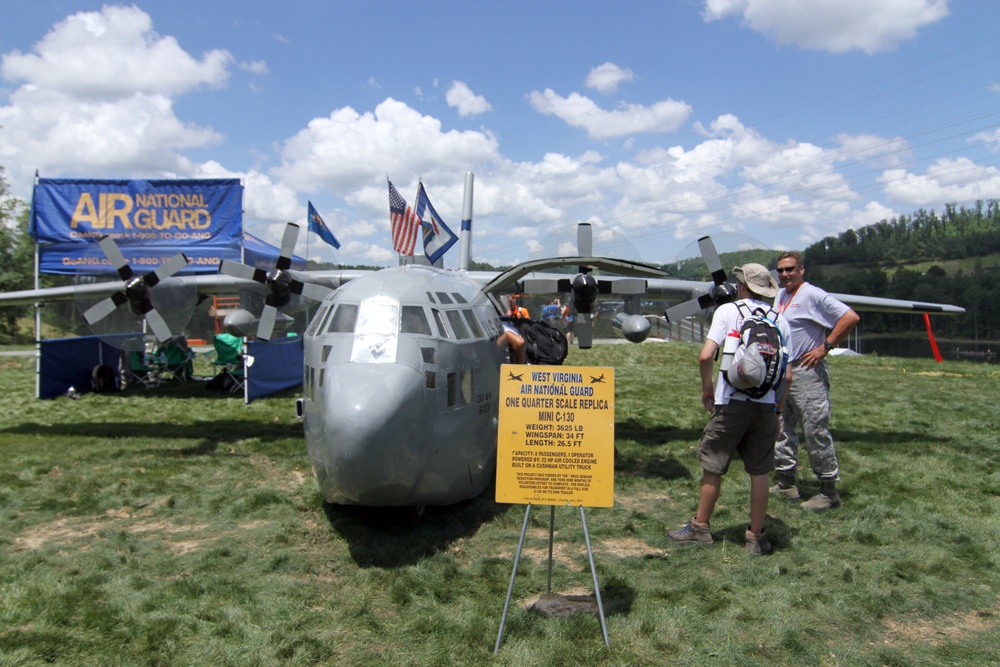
(464, 255)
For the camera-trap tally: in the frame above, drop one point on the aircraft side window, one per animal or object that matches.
(458, 324)
(322, 376)
(344, 318)
(415, 321)
(458, 298)
(477, 332)
(430, 379)
(429, 354)
(443, 298)
(326, 353)
(467, 386)
(439, 321)
(320, 316)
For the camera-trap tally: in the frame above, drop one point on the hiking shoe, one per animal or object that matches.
(757, 543)
(692, 533)
(822, 501)
(789, 492)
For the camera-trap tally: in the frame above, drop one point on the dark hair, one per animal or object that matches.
(792, 254)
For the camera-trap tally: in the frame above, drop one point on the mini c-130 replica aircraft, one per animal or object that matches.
(402, 365)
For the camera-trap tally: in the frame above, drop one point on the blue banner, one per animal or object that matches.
(150, 220)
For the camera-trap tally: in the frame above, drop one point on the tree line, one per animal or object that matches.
(882, 260)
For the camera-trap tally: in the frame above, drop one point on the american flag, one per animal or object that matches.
(405, 223)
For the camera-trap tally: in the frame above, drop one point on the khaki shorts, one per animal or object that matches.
(743, 428)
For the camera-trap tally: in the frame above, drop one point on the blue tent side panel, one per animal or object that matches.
(69, 362)
(277, 365)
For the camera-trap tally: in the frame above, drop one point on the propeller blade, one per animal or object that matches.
(288, 239)
(266, 326)
(115, 256)
(584, 330)
(585, 239)
(711, 258)
(314, 292)
(157, 324)
(688, 308)
(168, 268)
(102, 309)
(237, 270)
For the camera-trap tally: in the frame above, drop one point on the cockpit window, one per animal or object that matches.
(314, 325)
(477, 332)
(378, 317)
(439, 321)
(344, 318)
(415, 321)
(457, 324)
(444, 298)
(459, 298)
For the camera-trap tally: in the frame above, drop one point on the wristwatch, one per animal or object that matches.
(828, 345)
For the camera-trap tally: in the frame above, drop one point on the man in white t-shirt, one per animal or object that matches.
(739, 424)
(818, 323)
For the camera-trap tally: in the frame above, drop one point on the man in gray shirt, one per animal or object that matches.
(818, 322)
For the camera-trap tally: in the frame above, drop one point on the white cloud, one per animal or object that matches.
(946, 180)
(460, 97)
(580, 111)
(606, 77)
(347, 149)
(991, 139)
(111, 54)
(255, 67)
(832, 25)
(95, 97)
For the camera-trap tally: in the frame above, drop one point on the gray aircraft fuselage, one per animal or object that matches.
(400, 394)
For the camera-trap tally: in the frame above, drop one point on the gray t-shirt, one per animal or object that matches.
(811, 314)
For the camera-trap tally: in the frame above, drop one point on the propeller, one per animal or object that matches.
(721, 292)
(281, 285)
(154, 299)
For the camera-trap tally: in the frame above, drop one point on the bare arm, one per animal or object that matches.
(705, 363)
(840, 330)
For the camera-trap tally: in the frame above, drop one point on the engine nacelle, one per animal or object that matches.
(633, 328)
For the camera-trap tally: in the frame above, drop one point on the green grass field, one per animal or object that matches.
(180, 527)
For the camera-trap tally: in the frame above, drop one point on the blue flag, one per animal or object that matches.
(438, 238)
(317, 225)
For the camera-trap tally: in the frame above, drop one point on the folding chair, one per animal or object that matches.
(139, 372)
(177, 358)
(228, 353)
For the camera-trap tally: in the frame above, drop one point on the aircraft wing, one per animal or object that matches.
(876, 304)
(215, 283)
(528, 277)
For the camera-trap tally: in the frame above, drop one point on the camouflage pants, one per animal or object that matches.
(808, 406)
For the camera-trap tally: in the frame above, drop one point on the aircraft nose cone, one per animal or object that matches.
(376, 423)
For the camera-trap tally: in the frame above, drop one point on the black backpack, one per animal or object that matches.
(102, 379)
(543, 343)
(760, 335)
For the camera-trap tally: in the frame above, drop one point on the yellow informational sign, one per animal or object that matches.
(556, 443)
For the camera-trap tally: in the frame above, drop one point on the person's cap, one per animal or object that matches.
(757, 279)
(748, 369)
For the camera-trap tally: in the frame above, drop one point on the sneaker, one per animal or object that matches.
(757, 544)
(692, 533)
(789, 492)
(822, 501)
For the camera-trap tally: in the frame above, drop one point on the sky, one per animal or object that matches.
(773, 121)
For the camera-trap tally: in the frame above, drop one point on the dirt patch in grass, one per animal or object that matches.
(68, 531)
(935, 632)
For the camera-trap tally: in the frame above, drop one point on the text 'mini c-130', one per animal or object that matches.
(400, 397)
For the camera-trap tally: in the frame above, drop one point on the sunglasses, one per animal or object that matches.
(789, 269)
